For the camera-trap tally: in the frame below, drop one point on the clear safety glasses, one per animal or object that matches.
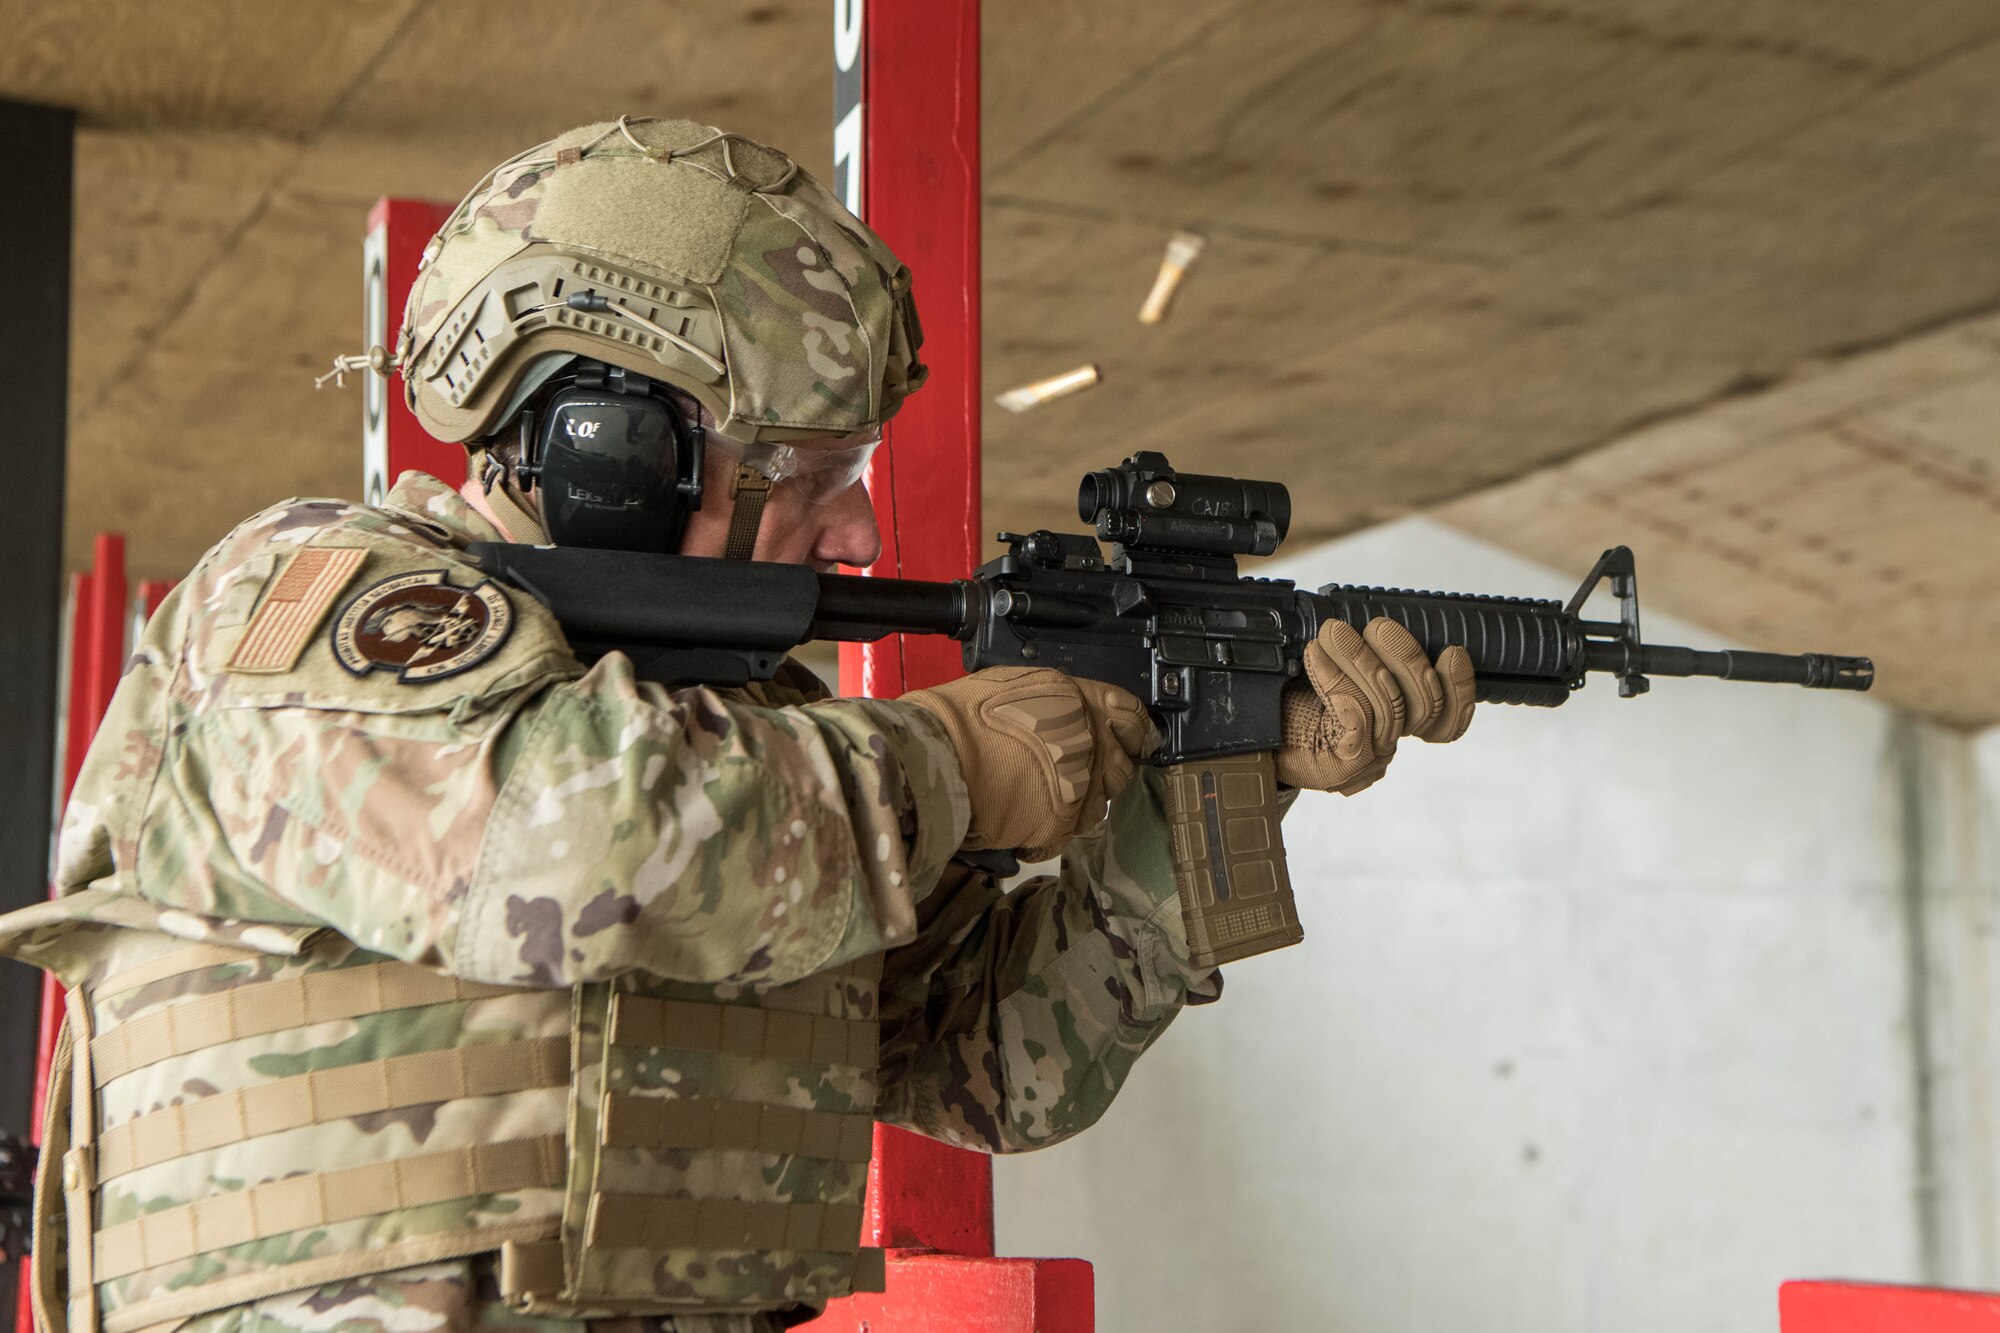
(818, 471)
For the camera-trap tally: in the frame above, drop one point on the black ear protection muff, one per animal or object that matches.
(618, 458)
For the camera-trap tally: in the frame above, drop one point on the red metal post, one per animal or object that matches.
(393, 441)
(1862, 1307)
(907, 159)
(919, 187)
(96, 648)
(103, 659)
(151, 593)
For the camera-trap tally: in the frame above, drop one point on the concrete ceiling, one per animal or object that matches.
(1712, 277)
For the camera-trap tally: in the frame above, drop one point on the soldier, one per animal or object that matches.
(420, 976)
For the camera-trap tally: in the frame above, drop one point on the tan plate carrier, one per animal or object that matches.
(230, 1125)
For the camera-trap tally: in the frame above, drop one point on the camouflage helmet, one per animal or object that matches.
(679, 252)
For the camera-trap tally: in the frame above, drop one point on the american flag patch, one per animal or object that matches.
(292, 610)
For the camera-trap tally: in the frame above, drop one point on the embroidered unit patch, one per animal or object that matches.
(291, 611)
(421, 627)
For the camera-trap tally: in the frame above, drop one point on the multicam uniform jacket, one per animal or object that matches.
(418, 976)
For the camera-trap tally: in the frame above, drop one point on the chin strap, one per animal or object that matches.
(514, 516)
(750, 490)
(516, 519)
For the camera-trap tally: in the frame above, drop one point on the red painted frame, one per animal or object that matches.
(921, 186)
(1862, 1307)
(932, 1205)
(407, 226)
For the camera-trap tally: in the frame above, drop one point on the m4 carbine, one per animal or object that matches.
(1166, 616)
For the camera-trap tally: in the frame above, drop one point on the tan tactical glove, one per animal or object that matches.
(1042, 753)
(1367, 690)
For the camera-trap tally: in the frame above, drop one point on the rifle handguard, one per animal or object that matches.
(1229, 858)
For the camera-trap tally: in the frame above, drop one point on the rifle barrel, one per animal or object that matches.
(1815, 671)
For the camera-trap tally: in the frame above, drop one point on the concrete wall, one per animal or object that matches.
(1609, 1017)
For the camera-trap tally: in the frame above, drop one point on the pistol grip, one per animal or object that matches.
(1229, 858)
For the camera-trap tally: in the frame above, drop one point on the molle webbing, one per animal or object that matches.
(639, 1221)
(653, 1221)
(529, 1270)
(180, 962)
(210, 1190)
(266, 1007)
(655, 1206)
(322, 1096)
(757, 1034)
(300, 1203)
(696, 1123)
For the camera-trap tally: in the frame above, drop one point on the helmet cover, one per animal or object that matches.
(679, 252)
